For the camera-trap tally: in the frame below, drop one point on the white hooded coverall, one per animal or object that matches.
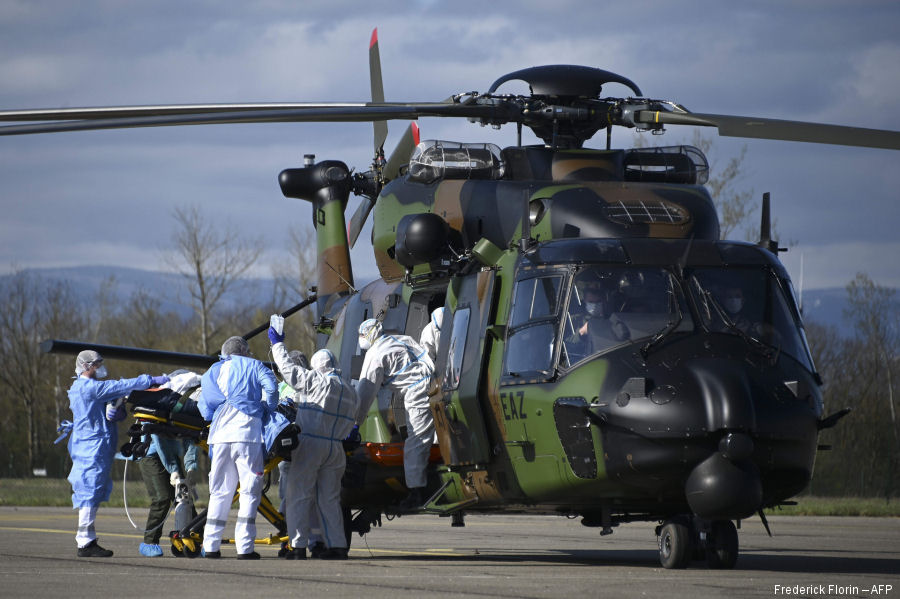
(430, 338)
(400, 363)
(326, 412)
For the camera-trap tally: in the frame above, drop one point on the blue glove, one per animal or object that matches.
(353, 440)
(156, 381)
(114, 414)
(274, 337)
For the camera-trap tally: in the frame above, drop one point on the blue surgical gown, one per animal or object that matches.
(93, 441)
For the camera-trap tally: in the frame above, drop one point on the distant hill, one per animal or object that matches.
(825, 306)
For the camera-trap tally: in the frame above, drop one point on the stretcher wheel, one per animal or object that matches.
(177, 547)
(191, 548)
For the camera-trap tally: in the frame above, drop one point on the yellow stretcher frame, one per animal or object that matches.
(190, 546)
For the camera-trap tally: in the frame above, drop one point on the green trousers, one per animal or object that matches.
(161, 493)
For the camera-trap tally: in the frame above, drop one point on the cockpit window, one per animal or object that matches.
(531, 343)
(752, 303)
(610, 306)
(535, 298)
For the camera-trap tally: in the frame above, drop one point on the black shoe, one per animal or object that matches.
(334, 553)
(317, 550)
(252, 555)
(413, 501)
(299, 553)
(285, 549)
(92, 549)
(212, 554)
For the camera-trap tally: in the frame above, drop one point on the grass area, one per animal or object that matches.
(56, 492)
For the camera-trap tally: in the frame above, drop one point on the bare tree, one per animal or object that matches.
(873, 310)
(212, 259)
(292, 285)
(33, 310)
(735, 205)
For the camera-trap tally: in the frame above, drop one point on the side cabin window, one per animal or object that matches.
(458, 337)
(531, 342)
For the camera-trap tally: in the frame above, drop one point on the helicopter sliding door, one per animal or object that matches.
(459, 418)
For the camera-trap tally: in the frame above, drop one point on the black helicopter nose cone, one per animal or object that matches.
(720, 489)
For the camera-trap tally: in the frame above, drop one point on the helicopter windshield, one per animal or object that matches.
(752, 303)
(611, 306)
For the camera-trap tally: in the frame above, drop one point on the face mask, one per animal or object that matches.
(594, 308)
(734, 304)
(364, 343)
(101, 372)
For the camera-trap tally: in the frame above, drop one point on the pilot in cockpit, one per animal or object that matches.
(591, 329)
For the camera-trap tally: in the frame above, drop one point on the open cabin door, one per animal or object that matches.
(458, 414)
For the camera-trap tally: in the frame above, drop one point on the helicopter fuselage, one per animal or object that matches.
(666, 403)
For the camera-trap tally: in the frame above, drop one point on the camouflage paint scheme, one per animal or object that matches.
(501, 440)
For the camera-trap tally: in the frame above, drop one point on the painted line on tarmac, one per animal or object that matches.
(68, 532)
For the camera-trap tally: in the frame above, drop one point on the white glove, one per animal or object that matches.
(175, 479)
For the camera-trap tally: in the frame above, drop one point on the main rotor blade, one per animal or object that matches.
(402, 152)
(743, 126)
(354, 228)
(169, 116)
(110, 112)
(377, 85)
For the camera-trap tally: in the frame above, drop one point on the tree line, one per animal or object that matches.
(33, 385)
(860, 371)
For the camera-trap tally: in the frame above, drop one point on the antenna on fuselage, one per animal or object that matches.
(765, 228)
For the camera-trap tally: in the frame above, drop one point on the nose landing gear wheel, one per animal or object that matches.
(722, 547)
(675, 545)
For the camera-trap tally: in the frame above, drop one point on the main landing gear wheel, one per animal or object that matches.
(676, 544)
(722, 545)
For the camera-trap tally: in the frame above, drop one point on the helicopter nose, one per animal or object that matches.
(726, 485)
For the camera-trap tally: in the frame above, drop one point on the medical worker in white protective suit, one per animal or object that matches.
(237, 392)
(400, 363)
(315, 542)
(326, 413)
(95, 417)
(430, 337)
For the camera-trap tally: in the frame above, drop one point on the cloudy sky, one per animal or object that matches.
(106, 198)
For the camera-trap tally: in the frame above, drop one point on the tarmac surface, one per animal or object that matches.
(492, 556)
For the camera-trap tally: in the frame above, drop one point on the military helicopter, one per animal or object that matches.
(595, 361)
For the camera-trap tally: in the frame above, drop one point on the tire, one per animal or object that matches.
(676, 545)
(191, 548)
(722, 546)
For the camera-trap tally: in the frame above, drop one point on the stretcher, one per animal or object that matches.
(168, 414)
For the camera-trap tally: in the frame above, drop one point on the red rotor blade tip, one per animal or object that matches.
(415, 131)
(374, 39)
